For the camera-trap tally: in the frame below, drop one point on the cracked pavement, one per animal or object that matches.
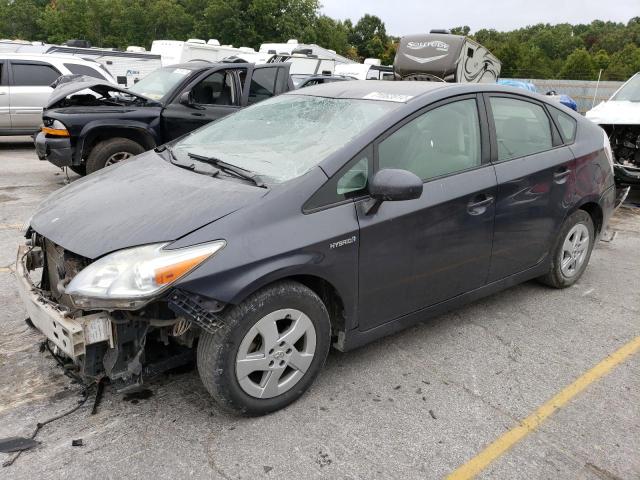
(417, 404)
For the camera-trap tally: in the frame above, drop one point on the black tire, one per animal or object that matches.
(101, 152)
(79, 169)
(555, 277)
(217, 353)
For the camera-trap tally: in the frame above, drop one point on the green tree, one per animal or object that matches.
(19, 19)
(578, 66)
(329, 33)
(369, 36)
(624, 63)
(461, 30)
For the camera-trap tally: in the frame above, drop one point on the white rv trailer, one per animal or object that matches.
(365, 71)
(292, 46)
(127, 67)
(175, 51)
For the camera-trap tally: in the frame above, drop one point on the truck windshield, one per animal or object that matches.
(630, 91)
(284, 137)
(160, 82)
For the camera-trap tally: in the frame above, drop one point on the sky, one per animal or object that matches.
(403, 17)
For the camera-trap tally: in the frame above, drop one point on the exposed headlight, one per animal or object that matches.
(56, 129)
(129, 278)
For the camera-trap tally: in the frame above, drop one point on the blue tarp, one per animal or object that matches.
(565, 100)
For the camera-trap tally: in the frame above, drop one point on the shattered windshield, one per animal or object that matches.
(160, 82)
(284, 137)
(630, 91)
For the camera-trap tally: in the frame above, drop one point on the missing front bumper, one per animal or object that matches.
(71, 334)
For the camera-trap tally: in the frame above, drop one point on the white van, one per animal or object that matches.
(25, 81)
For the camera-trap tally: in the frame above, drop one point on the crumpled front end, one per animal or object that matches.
(125, 346)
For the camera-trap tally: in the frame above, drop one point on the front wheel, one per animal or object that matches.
(110, 152)
(572, 251)
(269, 350)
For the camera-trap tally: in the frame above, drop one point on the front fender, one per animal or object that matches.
(96, 127)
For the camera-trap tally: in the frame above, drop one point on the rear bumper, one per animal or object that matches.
(55, 150)
(71, 334)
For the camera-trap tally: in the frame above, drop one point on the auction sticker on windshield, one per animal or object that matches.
(182, 71)
(388, 97)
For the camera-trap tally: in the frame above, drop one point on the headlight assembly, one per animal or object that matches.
(128, 278)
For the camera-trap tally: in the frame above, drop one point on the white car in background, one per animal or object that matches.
(25, 80)
(620, 118)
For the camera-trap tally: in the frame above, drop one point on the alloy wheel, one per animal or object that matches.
(574, 250)
(275, 353)
(117, 157)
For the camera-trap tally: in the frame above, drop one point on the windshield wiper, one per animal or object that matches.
(208, 170)
(229, 168)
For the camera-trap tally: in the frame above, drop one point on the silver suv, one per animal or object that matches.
(25, 81)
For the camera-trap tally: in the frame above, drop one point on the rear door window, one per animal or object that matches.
(263, 84)
(522, 128)
(78, 69)
(33, 74)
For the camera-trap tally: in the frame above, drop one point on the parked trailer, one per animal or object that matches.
(127, 67)
(365, 71)
(173, 52)
(445, 57)
(293, 46)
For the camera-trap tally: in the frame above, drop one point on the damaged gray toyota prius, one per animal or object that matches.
(332, 215)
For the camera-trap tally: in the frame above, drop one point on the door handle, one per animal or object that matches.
(3, 93)
(197, 114)
(561, 175)
(479, 204)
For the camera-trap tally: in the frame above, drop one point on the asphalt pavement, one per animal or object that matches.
(416, 405)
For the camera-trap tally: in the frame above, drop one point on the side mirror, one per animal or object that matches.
(391, 185)
(186, 99)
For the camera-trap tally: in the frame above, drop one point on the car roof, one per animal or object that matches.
(385, 90)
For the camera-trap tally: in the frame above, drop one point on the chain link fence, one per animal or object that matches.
(585, 93)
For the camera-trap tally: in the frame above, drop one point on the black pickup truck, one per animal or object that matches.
(89, 123)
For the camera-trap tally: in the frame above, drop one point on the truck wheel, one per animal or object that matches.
(269, 350)
(572, 251)
(111, 151)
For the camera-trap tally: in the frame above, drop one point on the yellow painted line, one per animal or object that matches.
(5, 269)
(481, 461)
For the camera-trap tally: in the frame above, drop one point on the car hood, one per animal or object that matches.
(615, 112)
(140, 201)
(70, 84)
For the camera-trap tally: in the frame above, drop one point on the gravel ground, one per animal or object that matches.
(414, 405)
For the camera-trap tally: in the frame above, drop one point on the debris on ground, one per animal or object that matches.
(16, 444)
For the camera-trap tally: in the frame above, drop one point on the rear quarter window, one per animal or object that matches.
(566, 123)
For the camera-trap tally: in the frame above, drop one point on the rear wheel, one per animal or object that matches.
(110, 152)
(269, 350)
(572, 251)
